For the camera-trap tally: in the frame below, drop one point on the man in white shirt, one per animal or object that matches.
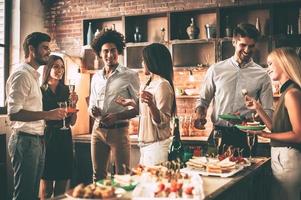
(110, 130)
(223, 86)
(25, 110)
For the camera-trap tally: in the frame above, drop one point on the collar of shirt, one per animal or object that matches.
(118, 69)
(32, 71)
(242, 65)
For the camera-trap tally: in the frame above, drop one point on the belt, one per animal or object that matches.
(29, 135)
(56, 126)
(113, 126)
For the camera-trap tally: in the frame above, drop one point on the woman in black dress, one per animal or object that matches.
(59, 150)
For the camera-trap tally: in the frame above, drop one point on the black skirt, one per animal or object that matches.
(59, 154)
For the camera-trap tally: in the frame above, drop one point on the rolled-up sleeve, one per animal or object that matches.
(15, 93)
(207, 89)
(134, 86)
(93, 94)
(164, 98)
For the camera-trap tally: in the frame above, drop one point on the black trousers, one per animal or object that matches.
(234, 137)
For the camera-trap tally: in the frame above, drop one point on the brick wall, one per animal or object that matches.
(63, 18)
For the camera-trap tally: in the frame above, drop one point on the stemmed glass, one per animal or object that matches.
(251, 142)
(217, 137)
(63, 104)
(71, 86)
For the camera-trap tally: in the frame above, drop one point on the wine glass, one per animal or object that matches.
(63, 104)
(71, 86)
(251, 142)
(217, 137)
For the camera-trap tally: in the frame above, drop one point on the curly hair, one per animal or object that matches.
(108, 36)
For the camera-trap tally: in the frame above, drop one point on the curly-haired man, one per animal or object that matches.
(110, 130)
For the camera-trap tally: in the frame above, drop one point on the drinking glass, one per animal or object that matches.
(251, 142)
(63, 104)
(71, 86)
(217, 137)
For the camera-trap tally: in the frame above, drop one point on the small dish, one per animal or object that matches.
(251, 128)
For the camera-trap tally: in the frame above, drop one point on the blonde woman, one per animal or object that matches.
(285, 67)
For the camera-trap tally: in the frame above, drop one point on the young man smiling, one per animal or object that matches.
(223, 86)
(110, 130)
(25, 110)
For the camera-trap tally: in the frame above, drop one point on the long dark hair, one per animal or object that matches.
(47, 69)
(158, 61)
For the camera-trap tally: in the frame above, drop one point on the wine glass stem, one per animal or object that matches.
(250, 158)
(64, 123)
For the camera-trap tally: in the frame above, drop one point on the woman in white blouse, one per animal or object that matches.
(157, 105)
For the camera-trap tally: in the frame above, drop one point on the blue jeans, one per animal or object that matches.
(27, 157)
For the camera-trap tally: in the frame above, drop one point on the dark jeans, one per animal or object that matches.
(233, 136)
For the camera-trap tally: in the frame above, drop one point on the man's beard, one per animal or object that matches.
(39, 59)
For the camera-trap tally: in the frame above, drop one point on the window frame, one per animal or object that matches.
(6, 46)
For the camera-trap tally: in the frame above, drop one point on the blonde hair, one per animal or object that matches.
(289, 61)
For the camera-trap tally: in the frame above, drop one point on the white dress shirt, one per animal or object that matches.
(224, 82)
(23, 93)
(123, 82)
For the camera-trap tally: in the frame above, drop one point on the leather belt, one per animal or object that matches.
(113, 126)
(29, 135)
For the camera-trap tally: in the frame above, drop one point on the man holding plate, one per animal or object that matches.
(226, 83)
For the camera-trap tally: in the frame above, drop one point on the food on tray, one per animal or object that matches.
(93, 191)
(254, 123)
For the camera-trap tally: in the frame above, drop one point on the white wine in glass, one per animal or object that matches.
(63, 104)
(217, 137)
(251, 142)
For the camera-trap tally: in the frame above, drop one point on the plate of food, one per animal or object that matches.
(126, 182)
(212, 167)
(230, 117)
(249, 127)
(93, 191)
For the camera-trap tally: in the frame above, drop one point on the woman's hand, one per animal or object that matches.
(251, 103)
(125, 102)
(147, 97)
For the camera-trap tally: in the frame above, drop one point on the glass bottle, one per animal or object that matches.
(89, 34)
(228, 30)
(192, 30)
(176, 149)
(258, 26)
(137, 35)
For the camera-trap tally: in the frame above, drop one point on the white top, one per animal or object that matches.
(23, 93)
(123, 82)
(163, 96)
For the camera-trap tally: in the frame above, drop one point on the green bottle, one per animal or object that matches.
(176, 149)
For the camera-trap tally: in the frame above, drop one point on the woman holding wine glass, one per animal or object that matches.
(285, 67)
(157, 105)
(58, 138)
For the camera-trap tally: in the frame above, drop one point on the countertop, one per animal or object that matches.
(246, 180)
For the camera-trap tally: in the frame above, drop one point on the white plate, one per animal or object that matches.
(205, 173)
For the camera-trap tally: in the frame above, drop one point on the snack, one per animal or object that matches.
(244, 92)
(92, 191)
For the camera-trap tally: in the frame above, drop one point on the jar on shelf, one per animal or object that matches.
(192, 30)
(137, 35)
(228, 30)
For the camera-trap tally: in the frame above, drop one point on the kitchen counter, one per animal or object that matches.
(251, 183)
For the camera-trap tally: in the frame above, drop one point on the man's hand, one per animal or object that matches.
(56, 114)
(96, 112)
(200, 120)
(109, 119)
(125, 102)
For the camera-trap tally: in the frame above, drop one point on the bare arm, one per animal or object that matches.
(293, 105)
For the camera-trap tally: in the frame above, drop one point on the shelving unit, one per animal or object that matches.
(273, 18)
